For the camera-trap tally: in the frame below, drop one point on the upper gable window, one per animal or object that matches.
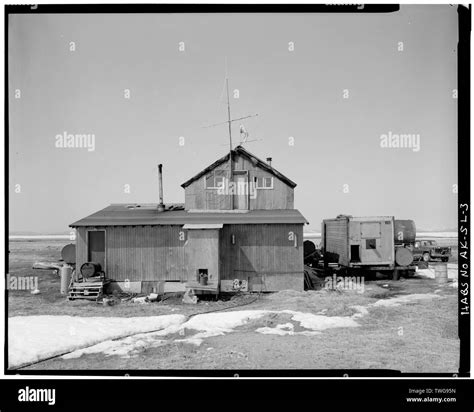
(264, 182)
(216, 179)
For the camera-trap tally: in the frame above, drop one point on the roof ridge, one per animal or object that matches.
(241, 150)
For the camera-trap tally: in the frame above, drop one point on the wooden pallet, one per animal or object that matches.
(86, 290)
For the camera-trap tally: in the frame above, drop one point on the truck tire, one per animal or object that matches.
(444, 259)
(426, 257)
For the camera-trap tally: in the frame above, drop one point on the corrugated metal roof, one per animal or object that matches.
(239, 150)
(123, 215)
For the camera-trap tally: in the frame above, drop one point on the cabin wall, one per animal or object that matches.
(81, 247)
(266, 255)
(139, 253)
(280, 197)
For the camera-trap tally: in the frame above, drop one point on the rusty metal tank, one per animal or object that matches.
(404, 232)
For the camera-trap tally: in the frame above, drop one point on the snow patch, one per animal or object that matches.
(361, 311)
(321, 322)
(397, 301)
(437, 234)
(33, 338)
(285, 329)
(430, 272)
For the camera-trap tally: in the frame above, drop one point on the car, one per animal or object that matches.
(427, 250)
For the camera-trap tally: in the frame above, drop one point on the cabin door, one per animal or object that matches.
(202, 255)
(241, 190)
(96, 247)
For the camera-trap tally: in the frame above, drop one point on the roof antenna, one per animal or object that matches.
(229, 120)
(229, 124)
(244, 136)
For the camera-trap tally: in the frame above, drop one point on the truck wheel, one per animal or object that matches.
(445, 259)
(426, 257)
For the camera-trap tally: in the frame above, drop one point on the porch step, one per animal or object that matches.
(213, 287)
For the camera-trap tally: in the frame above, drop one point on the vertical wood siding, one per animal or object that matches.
(81, 247)
(156, 253)
(139, 253)
(261, 250)
(280, 197)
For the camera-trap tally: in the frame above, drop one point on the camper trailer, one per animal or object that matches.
(370, 243)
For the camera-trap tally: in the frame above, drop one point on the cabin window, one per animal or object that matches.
(370, 244)
(216, 179)
(264, 182)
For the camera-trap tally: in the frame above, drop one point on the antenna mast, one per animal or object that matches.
(229, 124)
(229, 121)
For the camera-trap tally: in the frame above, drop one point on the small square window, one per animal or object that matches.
(268, 182)
(370, 244)
(264, 182)
(216, 179)
(219, 181)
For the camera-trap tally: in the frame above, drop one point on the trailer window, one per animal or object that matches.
(370, 244)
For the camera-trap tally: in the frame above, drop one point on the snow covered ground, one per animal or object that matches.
(420, 235)
(39, 237)
(452, 273)
(33, 338)
(399, 300)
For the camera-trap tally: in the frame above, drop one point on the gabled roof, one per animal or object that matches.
(144, 215)
(239, 150)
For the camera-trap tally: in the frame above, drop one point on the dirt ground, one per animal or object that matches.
(419, 336)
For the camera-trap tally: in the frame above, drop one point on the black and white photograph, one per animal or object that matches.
(197, 191)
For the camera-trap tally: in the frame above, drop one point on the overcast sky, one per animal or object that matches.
(402, 88)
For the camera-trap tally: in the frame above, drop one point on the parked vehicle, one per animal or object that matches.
(427, 249)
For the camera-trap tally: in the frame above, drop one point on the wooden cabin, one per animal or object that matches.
(238, 226)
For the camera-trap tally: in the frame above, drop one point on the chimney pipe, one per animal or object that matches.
(269, 161)
(161, 206)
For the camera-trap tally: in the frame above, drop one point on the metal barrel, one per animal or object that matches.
(89, 269)
(441, 273)
(65, 274)
(403, 256)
